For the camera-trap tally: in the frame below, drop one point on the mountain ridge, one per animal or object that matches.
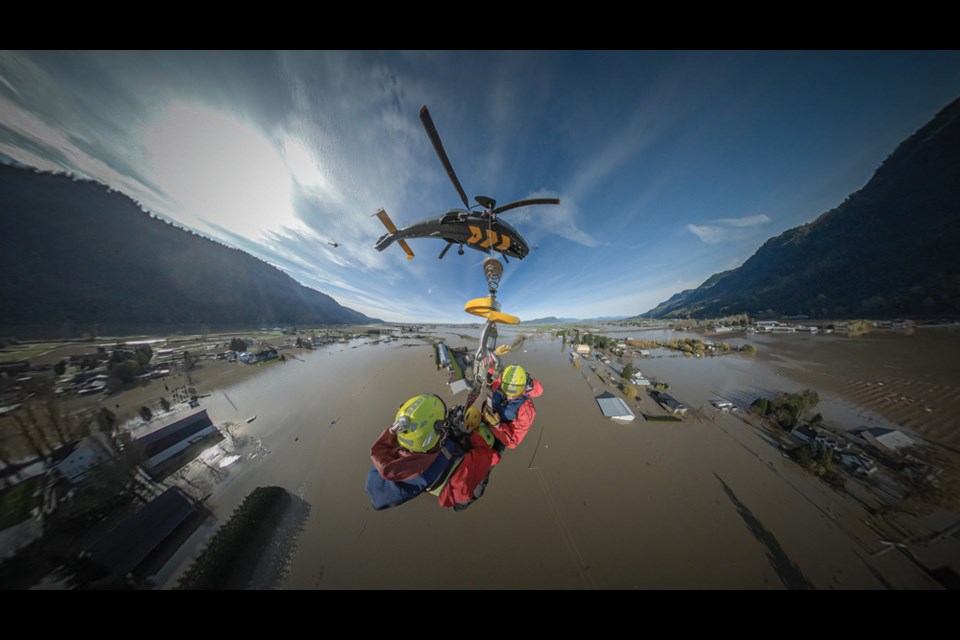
(888, 250)
(77, 256)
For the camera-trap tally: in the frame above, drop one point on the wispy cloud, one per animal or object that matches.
(561, 220)
(9, 85)
(746, 221)
(723, 229)
(707, 233)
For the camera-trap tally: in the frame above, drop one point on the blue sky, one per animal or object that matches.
(671, 166)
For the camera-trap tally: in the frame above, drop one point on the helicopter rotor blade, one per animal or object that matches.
(438, 147)
(526, 203)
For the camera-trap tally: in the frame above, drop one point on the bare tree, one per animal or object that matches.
(7, 460)
(32, 434)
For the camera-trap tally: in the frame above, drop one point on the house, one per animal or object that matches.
(827, 443)
(10, 368)
(858, 463)
(614, 407)
(583, 349)
(669, 403)
(267, 354)
(804, 433)
(772, 326)
(783, 328)
(74, 461)
(96, 356)
(882, 438)
(93, 386)
(163, 446)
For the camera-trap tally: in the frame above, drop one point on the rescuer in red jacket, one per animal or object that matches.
(511, 412)
(421, 452)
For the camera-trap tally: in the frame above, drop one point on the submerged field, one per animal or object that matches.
(583, 502)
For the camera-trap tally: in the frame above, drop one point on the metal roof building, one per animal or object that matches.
(160, 447)
(124, 548)
(890, 439)
(443, 354)
(459, 386)
(75, 460)
(614, 407)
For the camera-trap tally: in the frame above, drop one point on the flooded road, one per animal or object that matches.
(584, 502)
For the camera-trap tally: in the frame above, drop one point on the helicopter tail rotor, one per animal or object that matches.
(385, 241)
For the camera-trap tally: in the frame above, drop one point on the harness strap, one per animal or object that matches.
(454, 457)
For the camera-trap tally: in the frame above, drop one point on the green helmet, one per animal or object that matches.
(417, 421)
(513, 381)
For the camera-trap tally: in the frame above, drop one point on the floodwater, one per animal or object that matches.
(584, 502)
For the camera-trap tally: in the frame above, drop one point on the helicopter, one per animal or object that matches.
(478, 229)
(335, 245)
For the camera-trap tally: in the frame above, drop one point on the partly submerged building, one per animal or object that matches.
(614, 407)
(804, 433)
(443, 355)
(669, 403)
(162, 447)
(884, 439)
(75, 461)
(459, 386)
(858, 463)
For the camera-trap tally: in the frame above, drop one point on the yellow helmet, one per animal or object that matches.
(417, 421)
(513, 381)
